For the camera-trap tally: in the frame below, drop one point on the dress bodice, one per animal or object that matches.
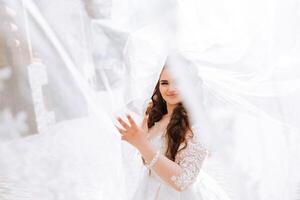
(159, 142)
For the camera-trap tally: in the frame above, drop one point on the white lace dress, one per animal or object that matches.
(151, 187)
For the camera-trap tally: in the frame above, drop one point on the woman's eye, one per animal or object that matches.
(164, 83)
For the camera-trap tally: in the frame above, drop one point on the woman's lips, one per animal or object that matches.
(172, 95)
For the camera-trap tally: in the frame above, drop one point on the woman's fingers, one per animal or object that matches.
(126, 129)
(123, 137)
(124, 124)
(120, 130)
(131, 121)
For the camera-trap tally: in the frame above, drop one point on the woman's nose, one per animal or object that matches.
(172, 89)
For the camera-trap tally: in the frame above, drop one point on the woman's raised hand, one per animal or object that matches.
(131, 132)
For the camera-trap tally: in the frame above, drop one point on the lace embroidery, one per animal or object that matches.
(190, 159)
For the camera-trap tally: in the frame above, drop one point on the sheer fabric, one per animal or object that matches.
(67, 68)
(190, 160)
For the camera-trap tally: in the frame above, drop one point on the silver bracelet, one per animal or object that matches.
(154, 160)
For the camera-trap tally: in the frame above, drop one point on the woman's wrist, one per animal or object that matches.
(147, 150)
(142, 143)
(153, 161)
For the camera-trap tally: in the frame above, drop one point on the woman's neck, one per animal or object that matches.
(170, 109)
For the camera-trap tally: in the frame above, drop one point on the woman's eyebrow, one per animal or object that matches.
(163, 80)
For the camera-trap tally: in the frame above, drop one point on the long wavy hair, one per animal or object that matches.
(178, 126)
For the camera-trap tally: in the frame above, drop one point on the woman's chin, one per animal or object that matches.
(173, 102)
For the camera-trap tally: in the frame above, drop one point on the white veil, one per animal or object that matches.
(68, 67)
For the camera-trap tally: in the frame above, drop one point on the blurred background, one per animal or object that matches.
(67, 68)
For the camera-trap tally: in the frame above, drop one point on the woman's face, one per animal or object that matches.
(167, 88)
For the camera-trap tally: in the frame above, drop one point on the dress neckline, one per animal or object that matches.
(161, 134)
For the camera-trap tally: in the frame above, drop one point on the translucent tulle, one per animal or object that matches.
(67, 68)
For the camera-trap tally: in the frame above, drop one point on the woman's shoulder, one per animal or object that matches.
(194, 150)
(193, 141)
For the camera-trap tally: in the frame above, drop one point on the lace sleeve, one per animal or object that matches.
(190, 160)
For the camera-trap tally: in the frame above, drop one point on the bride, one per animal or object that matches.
(169, 148)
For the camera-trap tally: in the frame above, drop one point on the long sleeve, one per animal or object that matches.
(190, 160)
(184, 171)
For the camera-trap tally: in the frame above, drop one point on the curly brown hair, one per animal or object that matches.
(178, 126)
